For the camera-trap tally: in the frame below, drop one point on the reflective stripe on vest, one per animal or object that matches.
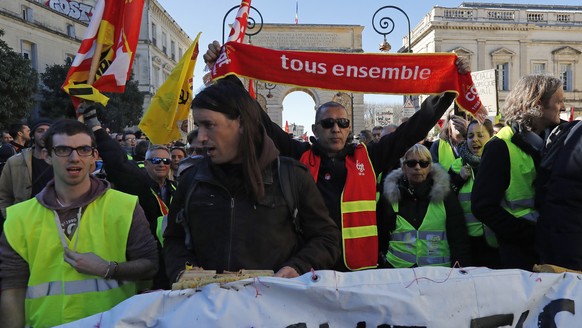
(426, 246)
(162, 223)
(519, 196)
(358, 208)
(56, 292)
(71, 287)
(475, 228)
(446, 155)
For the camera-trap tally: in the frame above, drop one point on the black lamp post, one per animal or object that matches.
(270, 86)
(251, 23)
(386, 26)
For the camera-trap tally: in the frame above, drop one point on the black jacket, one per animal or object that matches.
(516, 236)
(559, 227)
(384, 155)
(412, 206)
(126, 176)
(231, 232)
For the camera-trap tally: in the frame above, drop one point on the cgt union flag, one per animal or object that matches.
(113, 32)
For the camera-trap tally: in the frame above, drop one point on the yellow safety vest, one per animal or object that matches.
(57, 293)
(358, 208)
(446, 155)
(427, 246)
(519, 196)
(475, 228)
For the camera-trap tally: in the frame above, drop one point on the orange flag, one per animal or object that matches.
(287, 126)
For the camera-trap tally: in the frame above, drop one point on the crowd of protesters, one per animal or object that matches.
(238, 193)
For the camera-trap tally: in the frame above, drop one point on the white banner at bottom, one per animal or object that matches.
(420, 297)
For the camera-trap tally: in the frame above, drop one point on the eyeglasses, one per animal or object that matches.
(412, 163)
(328, 123)
(64, 151)
(158, 160)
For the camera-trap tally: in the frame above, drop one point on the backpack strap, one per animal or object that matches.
(183, 217)
(289, 188)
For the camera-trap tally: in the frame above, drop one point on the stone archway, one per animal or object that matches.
(333, 38)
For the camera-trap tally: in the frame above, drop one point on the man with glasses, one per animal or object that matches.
(151, 184)
(91, 259)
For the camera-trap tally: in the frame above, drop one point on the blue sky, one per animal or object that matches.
(207, 16)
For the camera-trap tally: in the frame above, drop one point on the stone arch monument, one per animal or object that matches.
(333, 38)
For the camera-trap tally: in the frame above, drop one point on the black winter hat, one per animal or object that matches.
(38, 122)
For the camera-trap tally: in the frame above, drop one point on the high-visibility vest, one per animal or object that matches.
(446, 155)
(475, 228)
(56, 292)
(162, 221)
(519, 196)
(427, 246)
(358, 208)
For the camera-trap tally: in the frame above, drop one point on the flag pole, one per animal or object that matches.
(95, 62)
(92, 71)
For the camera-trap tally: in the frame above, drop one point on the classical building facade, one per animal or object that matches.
(513, 39)
(49, 32)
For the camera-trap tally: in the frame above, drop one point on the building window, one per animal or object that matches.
(180, 52)
(566, 76)
(69, 58)
(27, 13)
(164, 45)
(173, 50)
(71, 30)
(156, 78)
(154, 34)
(503, 76)
(28, 51)
(538, 68)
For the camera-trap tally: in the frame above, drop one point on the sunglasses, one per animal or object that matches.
(328, 123)
(158, 160)
(412, 163)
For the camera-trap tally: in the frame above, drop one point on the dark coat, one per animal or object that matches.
(126, 176)
(231, 232)
(559, 228)
(516, 236)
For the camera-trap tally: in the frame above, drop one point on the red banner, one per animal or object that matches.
(429, 73)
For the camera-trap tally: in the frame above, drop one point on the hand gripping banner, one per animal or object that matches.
(428, 73)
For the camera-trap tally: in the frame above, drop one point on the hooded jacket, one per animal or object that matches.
(413, 204)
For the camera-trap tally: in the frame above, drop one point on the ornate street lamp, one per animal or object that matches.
(252, 28)
(270, 86)
(386, 26)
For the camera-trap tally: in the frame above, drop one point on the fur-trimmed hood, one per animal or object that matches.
(439, 189)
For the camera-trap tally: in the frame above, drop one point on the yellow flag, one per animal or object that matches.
(172, 101)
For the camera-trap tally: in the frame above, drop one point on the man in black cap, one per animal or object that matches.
(26, 173)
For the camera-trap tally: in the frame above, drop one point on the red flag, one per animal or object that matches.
(571, 114)
(252, 89)
(114, 29)
(287, 126)
(239, 27)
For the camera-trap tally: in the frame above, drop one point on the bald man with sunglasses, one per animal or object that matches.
(345, 173)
